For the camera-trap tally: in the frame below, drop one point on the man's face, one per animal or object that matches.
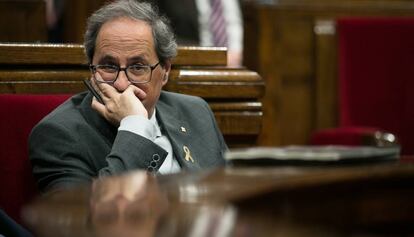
(124, 42)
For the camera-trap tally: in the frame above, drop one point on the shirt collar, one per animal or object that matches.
(154, 120)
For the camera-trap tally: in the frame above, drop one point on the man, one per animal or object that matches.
(139, 126)
(200, 22)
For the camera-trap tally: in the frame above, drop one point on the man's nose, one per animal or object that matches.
(122, 82)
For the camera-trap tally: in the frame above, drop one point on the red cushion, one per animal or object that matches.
(19, 113)
(376, 68)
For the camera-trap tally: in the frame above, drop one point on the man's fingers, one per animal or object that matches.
(105, 91)
(98, 90)
(96, 105)
(140, 94)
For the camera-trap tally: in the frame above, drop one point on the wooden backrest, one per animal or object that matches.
(232, 93)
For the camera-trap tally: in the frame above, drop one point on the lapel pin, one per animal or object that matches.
(183, 129)
(188, 154)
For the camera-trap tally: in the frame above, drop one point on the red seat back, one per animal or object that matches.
(376, 75)
(19, 114)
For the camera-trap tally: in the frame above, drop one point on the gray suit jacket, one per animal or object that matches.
(74, 143)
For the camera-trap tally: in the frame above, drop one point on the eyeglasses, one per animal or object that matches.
(136, 74)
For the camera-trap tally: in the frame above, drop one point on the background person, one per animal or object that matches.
(207, 23)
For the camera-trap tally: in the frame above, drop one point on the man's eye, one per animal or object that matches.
(108, 68)
(137, 67)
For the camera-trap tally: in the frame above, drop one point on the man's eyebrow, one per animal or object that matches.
(107, 57)
(138, 59)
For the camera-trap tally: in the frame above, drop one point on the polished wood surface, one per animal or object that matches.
(23, 21)
(292, 45)
(369, 200)
(233, 93)
(74, 16)
(73, 54)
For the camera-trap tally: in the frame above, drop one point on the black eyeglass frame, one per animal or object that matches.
(125, 69)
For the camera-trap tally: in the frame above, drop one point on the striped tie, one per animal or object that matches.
(218, 24)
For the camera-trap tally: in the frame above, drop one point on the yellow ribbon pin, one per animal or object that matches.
(187, 154)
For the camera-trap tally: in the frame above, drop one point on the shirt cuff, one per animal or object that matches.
(139, 125)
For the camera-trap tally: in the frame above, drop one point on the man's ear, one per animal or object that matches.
(167, 69)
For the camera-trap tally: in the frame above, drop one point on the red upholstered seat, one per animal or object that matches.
(376, 80)
(19, 113)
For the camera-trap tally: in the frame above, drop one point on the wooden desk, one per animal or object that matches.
(373, 200)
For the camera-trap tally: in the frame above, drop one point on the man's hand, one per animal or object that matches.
(119, 105)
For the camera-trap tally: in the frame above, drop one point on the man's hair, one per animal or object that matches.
(164, 38)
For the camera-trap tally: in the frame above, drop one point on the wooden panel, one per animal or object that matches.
(74, 17)
(47, 54)
(234, 84)
(23, 21)
(265, 57)
(326, 93)
(233, 93)
(286, 42)
(217, 83)
(51, 54)
(206, 56)
(296, 73)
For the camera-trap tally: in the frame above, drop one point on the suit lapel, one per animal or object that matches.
(179, 133)
(106, 129)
